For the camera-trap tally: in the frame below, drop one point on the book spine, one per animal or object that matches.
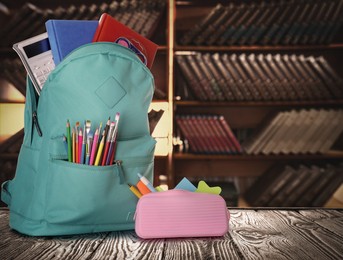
(216, 91)
(230, 134)
(220, 81)
(192, 83)
(203, 82)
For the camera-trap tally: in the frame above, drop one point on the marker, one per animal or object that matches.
(135, 191)
(146, 182)
(143, 188)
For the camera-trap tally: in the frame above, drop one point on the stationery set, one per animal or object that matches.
(78, 175)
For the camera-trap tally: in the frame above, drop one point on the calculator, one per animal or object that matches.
(36, 56)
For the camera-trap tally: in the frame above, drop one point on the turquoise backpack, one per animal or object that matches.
(51, 196)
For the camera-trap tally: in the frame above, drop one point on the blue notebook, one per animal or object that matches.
(67, 35)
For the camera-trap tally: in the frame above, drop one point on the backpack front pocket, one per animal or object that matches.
(92, 195)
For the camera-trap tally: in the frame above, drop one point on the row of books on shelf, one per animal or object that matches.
(304, 131)
(268, 23)
(256, 77)
(209, 134)
(29, 20)
(313, 131)
(295, 186)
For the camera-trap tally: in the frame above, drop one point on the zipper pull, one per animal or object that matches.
(35, 121)
(120, 171)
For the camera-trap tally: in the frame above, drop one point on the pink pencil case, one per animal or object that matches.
(180, 213)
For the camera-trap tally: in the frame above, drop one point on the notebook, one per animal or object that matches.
(67, 35)
(109, 30)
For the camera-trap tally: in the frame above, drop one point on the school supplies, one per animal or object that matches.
(67, 35)
(51, 196)
(35, 54)
(180, 213)
(110, 30)
(146, 182)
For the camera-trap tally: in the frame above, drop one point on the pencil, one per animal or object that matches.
(84, 140)
(69, 142)
(77, 156)
(94, 147)
(135, 191)
(80, 146)
(73, 138)
(108, 142)
(101, 146)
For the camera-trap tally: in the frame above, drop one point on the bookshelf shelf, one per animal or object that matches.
(239, 157)
(323, 103)
(259, 48)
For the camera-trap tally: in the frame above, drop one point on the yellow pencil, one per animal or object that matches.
(101, 146)
(135, 191)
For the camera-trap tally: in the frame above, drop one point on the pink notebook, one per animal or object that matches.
(180, 213)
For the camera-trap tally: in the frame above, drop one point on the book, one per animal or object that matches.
(187, 72)
(331, 186)
(109, 30)
(264, 79)
(284, 197)
(67, 35)
(203, 83)
(211, 82)
(225, 74)
(220, 81)
(263, 190)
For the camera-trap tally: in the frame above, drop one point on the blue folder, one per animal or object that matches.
(67, 35)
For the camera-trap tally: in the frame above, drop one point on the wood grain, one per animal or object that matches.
(254, 234)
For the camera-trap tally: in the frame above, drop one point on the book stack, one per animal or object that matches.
(208, 134)
(295, 186)
(268, 23)
(30, 19)
(257, 77)
(298, 132)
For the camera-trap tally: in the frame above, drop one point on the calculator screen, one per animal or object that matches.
(37, 48)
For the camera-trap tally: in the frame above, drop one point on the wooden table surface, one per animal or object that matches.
(254, 234)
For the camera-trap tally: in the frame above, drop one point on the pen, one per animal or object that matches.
(108, 141)
(146, 182)
(107, 127)
(101, 146)
(135, 191)
(69, 142)
(94, 147)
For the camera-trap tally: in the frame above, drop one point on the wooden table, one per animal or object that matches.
(254, 234)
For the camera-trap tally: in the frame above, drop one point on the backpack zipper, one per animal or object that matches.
(35, 121)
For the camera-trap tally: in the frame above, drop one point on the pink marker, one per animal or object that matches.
(94, 147)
